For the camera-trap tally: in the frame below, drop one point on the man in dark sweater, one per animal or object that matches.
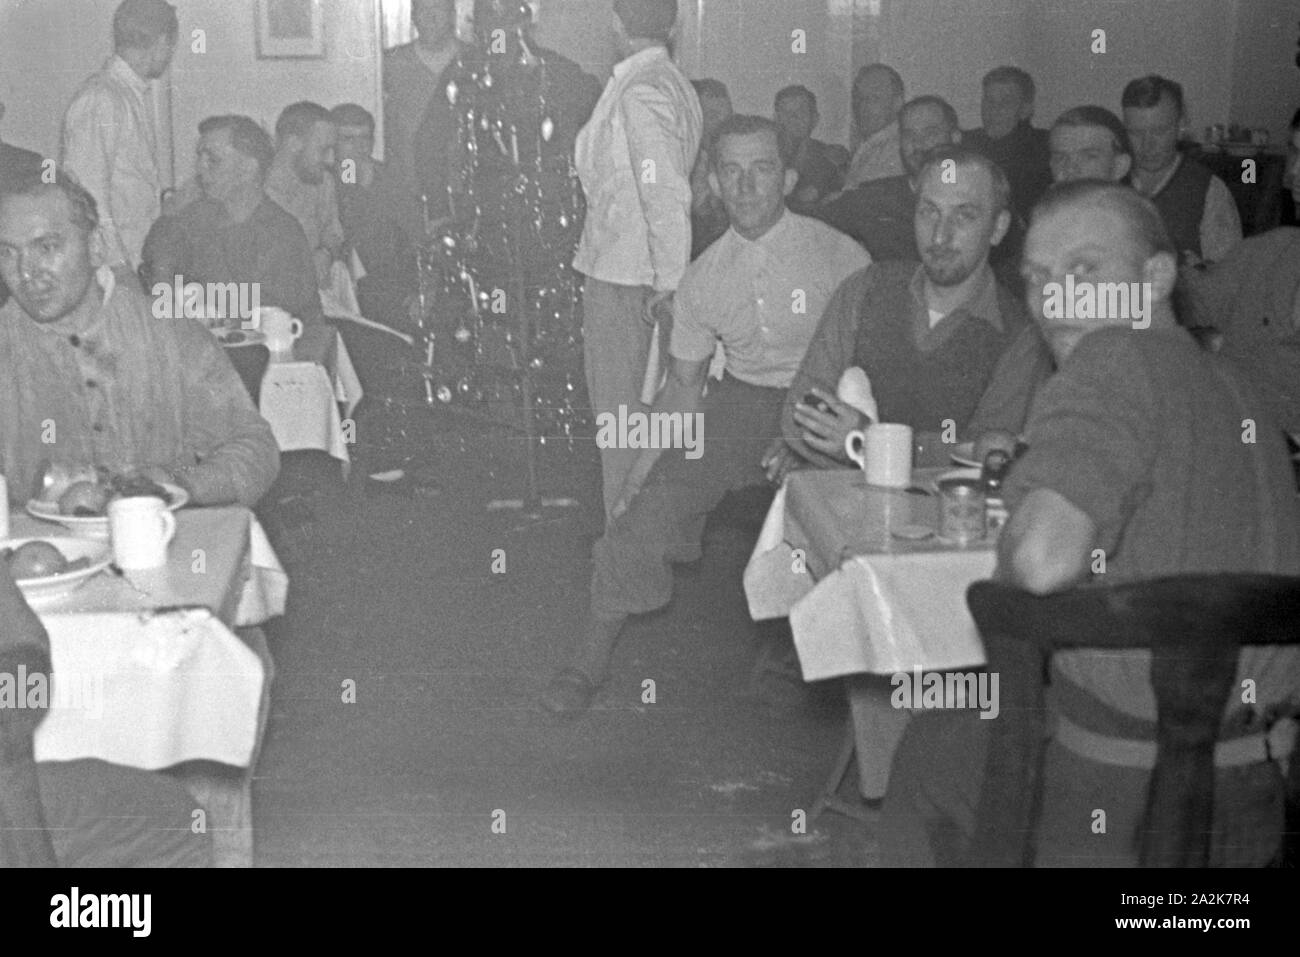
(820, 165)
(1198, 210)
(928, 336)
(1009, 140)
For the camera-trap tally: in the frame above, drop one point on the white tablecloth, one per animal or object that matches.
(152, 690)
(301, 402)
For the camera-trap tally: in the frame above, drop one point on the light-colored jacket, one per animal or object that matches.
(110, 145)
(635, 157)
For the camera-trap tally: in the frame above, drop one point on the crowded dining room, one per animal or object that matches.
(362, 363)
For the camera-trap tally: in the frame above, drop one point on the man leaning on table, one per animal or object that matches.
(757, 291)
(928, 336)
(1136, 450)
(89, 375)
(85, 813)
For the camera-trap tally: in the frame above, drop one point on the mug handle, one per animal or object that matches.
(169, 526)
(254, 321)
(296, 326)
(855, 447)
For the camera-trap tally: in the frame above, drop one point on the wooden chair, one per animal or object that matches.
(1194, 626)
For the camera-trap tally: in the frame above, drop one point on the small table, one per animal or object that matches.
(300, 394)
(153, 690)
(863, 602)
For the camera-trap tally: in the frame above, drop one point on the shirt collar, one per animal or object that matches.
(773, 235)
(120, 70)
(882, 137)
(982, 303)
(639, 59)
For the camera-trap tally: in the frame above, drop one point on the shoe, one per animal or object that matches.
(569, 694)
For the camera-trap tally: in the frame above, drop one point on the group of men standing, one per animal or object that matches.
(1116, 415)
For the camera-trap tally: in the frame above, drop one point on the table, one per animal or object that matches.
(862, 602)
(300, 397)
(162, 690)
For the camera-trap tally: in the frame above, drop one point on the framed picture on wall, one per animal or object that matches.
(290, 29)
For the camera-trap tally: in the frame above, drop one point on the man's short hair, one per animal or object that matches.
(1145, 223)
(245, 136)
(1147, 91)
(1012, 74)
(796, 89)
(647, 19)
(939, 103)
(1098, 116)
(895, 81)
(353, 114)
(964, 156)
(137, 24)
(742, 124)
(715, 89)
(34, 182)
(297, 119)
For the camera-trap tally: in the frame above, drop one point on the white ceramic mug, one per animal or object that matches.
(140, 528)
(884, 452)
(281, 329)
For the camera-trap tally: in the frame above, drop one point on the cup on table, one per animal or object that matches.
(140, 527)
(884, 452)
(281, 329)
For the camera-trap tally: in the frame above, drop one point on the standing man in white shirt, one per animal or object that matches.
(759, 291)
(634, 157)
(110, 138)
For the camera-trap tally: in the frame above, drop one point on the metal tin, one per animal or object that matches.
(961, 511)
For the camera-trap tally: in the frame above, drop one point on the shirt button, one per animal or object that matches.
(75, 340)
(91, 383)
(97, 427)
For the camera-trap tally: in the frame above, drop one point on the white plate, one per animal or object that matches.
(94, 526)
(970, 473)
(52, 586)
(964, 454)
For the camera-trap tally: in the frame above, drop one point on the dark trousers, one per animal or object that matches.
(665, 522)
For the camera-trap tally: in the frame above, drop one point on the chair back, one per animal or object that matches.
(1194, 625)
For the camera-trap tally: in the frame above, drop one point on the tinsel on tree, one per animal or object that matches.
(499, 302)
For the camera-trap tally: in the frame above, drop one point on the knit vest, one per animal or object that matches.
(1182, 205)
(924, 389)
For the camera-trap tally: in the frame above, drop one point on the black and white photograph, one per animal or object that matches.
(748, 434)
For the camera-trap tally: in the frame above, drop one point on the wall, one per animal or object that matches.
(48, 47)
(1265, 79)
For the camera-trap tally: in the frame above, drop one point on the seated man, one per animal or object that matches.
(1089, 142)
(928, 336)
(88, 375)
(301, 180)
(235, 232)
(84, 813)
(1136, 455)
(1007, 138)
(879, 213)
(1197, 207)
(757, 290)
(878, 95)
(820, 165)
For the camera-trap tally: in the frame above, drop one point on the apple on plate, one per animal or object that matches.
(35, 560)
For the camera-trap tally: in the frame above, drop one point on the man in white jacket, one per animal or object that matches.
(634, 157)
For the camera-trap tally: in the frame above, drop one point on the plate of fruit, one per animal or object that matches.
(49, 567)
(82, 505)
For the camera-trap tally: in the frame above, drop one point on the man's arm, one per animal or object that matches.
(1024, 367)
(1046, 545)
(829, 353)
(654, 137)
(1220, 222)
(238, 459)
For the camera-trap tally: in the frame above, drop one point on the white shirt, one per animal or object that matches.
(762, 298)
(110, 145)
(877, 157)
(634, 158)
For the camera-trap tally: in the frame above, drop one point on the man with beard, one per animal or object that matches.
(301, 180)
(928, 336)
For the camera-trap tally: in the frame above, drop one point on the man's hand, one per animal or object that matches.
(657, 307)
(779, 461)
(826, 432)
